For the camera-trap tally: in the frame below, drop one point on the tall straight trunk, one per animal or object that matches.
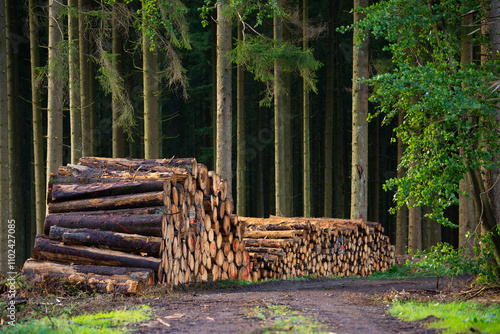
(118, 138)
(74, 83)
(213, 38)
(4, 152)
(224, 97)
(95, 137)
(306, 151)
(241, 137)
(38, 158)
(85, 98)
(151, 101)
(259, 177)
(359, 164)
(375, 172)
(402, 213)
(55, 92)
(466, 214)
(329, 112)
(339, 161)
(279, 126)
(287, 116)
(415, 228)
(16, 178)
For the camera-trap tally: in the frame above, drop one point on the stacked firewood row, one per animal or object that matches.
(168, 218)
(282, 247)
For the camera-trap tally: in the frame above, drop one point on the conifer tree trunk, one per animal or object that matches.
(359, 164)
(279, 123)
(55, 91)
(151, 100)
(85, 95)
(38, 158)
(241, 137)
(15, 129)
(330, 95)
(118, 138)
(224, 97)
(213, 38)
(306, 152)
(4, 153)
(74, 82)
(287, 117)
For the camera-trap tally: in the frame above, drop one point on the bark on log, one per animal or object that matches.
(46, 249)
(45, 267)
(65, 192)
(189, 164)
(108, 203)
(149, 225)
(131, 243)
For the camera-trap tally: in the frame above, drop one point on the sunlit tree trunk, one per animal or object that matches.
(241, 137)
(38, 158)
(224, 97)
(359, 164)
(402, 213)
(55, 91)
(4, 152)
(151, 101)
(74, 83)
(279, 126)
(306, 152)
(288, 138)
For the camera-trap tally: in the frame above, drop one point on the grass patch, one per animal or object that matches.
(280, 319)
(114, 322)
(453, 317)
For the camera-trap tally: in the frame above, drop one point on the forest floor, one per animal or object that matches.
(328, 305)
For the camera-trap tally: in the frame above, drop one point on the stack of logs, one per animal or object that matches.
(118, 224)
(282, 247)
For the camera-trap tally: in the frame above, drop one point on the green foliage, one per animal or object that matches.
(454, 317)
(259, 55)
(405, 270)
(444, 260)
(243, 9)
(98, 323)
(449, 126)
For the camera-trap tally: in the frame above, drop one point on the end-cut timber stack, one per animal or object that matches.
(118, 224)
(281, 247)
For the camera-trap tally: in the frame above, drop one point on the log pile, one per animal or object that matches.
(169, 216)
(282, 247)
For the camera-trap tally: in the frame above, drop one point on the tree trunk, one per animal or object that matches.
(85, 99)
(241, 137)
(288, 138)
(38, 158)
(330, 98)
(4, 152)
(55, 91)
(224, 97)
(46, 249)
(306, 152)
(151, 99)
(279, 122)
(131, 243)
(402, 213)
(74, 82)
(118, 137)
(359, 164)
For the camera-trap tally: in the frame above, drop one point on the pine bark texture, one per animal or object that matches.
(224, 96)
(55, 91)
(74, 82)
(359, 169)
(306, 145)
(241, 137)
(38, 157)
(85, 94)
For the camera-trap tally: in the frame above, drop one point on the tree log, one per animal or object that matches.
(149, 225)
(108, 203)
(189, 164)
(46, 249)
(65, 192)
(275, 243)
(274, 234)
(131, 243)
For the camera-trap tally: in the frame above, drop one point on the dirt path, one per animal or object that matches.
(341, 305)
